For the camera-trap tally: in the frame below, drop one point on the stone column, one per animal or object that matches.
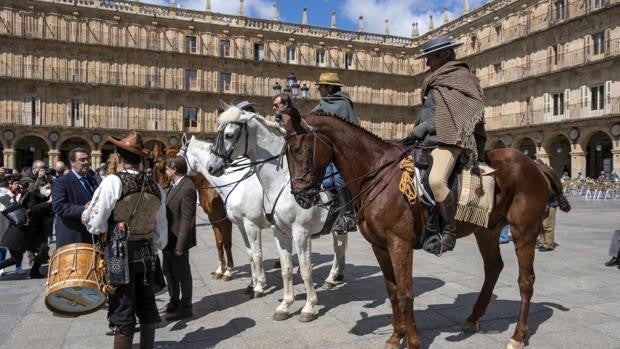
(54, 155)
(577, 160)
(9, 157)
(95, 158)
(541, 154)
(615, 155)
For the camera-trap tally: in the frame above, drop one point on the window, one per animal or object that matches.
(598, 43)
(31, 110)
(291, 54)
(559, 10)
(348, 60)
(320, 57)
(190, 116)
(153, 43)
(599, 3)
(190, 44)
(153, 117)
(75, 71)
(154, 78)
(498, 72)
(498, 34)
(75, 110)
(116, 116)
(224, 48)
(558, 103)
(224, 83)
(190, 79)
(259, 52)
(115, 74)
(556, 55)
(473, 43)
(598, 97)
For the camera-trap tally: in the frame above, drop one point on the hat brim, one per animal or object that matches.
(427, 53)
(329, 83)
(140, 152)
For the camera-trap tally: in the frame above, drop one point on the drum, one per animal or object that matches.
(74, 280)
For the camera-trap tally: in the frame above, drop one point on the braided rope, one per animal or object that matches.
(406, 185)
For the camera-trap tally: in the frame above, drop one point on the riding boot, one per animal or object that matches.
(147, 335)
(122, 341)
(332, 215)
(348, 211)
(447, 210)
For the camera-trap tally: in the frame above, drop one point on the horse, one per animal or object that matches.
(243, 200)
(211, 204)
(393, 226)
(247, 134)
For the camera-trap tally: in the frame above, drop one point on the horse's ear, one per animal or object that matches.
(184, 138)
(224, 105)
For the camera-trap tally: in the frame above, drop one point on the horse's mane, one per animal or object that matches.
(354, 125)
(202, 145)
(233, 114)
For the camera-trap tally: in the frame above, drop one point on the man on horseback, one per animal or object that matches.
(451, 123)
(337, 102)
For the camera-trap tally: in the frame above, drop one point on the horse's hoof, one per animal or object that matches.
(277, 265)
(471, 327)
(226, 277)
(328, 285)
(280, 316)
(339, 278)
(216, 276)
(258, 294)
(249, 289)
(305, 317)
(513, 344)
(388, 345)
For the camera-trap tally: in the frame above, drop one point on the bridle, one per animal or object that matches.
(219, 148)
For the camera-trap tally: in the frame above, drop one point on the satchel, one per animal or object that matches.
(116, 256)
(17, 214)
(159, 282)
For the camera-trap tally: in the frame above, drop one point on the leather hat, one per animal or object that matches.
(329, 79)
(132, 143)
(435, 45)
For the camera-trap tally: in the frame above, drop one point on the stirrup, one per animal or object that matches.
(435, 245)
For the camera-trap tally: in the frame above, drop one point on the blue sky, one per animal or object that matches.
(400, 13)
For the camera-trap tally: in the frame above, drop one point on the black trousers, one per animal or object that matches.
(134, 299)
(178, 277)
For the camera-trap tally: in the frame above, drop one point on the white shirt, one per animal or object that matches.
(98, 211)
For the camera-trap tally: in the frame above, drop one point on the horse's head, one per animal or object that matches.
(308, 154)
(231, 141)
(190, 150)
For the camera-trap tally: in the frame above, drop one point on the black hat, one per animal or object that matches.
(435, 45)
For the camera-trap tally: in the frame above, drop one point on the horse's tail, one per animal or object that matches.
(556, 186)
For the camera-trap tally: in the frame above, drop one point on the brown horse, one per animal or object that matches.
(211, 203)
(369, 165)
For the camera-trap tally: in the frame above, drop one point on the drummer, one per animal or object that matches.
(136, 298)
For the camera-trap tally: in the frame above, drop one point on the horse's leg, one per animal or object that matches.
(336, 274)
(226, 230)
(303, 245)
(220, 251)
(401, 255)
(488, 244)
(285, 249)
(256, 244)
(524, 237)
(383, 258)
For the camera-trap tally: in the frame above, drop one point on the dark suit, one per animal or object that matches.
(68, 199)
(181, 215)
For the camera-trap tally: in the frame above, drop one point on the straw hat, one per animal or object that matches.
(329, 79)
(132, 143)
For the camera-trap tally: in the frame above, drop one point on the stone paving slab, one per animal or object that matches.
(575, 302)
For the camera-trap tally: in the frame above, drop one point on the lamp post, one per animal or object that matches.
(277, 88)
(292, 87)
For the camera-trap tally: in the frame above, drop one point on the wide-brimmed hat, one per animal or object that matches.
(132, 143)
(435, 45)
(329, 79)
(245, 105)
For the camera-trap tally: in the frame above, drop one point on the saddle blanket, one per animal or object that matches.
(475, 202)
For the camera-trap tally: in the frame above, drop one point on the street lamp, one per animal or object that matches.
(304, 91)
(277, 88)
(292, 87)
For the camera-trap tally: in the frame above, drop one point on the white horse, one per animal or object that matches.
(243, 196)
(243, 133)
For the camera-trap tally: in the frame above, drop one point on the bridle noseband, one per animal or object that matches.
(219, 148)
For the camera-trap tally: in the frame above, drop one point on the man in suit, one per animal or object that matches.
(70, 194)
(181, 215)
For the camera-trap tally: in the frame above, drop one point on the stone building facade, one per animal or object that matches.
(73, 72)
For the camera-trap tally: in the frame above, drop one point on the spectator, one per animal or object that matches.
(614, 250)
(41, 220)
(547, 237)
(59, 169)
(32, 178)
(613, 176)
(13, 238)
(602, 177)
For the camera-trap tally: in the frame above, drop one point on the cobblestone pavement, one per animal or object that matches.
(576, 301)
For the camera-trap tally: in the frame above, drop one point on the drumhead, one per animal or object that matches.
(75, 300)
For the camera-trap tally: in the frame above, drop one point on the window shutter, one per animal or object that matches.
(607, 42)
(547, 102)
(37, 110)
(26, 110)
(566, 103)
(68, 121)
(82, 115)
(608, 95)
(550, 57)
(584, 97)
(588, 45)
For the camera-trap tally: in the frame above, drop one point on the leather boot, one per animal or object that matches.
(121, 341)
(332, 215)
(147, 335)
(346, 202)
(447, 210)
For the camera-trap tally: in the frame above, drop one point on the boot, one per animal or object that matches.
(613, 261)
(348, 211)
(121, 341)
(447, 211)
(332, 215)
(147, 335)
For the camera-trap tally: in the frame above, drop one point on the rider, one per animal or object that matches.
(337, 102)
(450, 123)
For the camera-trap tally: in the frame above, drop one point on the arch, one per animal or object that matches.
(527, 146)
(70, 143)
(559, 154)
(598, 154)
(30, 148)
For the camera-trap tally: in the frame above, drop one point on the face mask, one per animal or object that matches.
(45, 191)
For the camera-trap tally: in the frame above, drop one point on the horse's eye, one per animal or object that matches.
(229, 136)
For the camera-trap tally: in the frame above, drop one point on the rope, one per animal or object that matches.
(406, 185)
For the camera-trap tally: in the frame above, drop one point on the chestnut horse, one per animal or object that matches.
(211, 203)
(369, 165)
